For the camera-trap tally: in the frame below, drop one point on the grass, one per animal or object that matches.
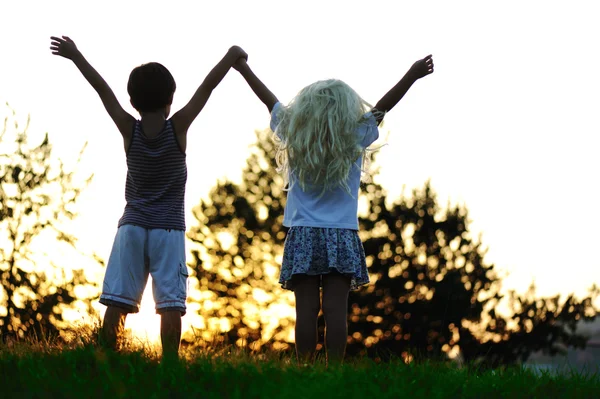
(43, 370)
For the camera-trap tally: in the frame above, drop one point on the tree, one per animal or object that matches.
(549, 325)
(428, 276)
(37, 198)
(432, 292)
(238, 245)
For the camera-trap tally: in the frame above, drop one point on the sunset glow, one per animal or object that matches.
(507, 125)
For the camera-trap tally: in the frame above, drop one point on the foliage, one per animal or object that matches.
(37, 197)
(238, 244)
(432, 291)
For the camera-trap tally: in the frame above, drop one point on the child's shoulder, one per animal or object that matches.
(368, 119)
(277, 108)
(276, 115)
(368, 130)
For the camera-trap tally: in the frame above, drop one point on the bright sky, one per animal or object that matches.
(508, 124)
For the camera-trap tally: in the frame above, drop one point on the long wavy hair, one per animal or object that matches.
(316, 137)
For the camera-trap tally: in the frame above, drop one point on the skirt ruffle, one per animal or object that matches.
(317, 251)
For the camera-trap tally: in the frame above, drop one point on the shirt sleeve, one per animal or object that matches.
(368, 130)
(275, 116)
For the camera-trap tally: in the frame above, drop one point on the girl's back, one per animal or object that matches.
(322, 136)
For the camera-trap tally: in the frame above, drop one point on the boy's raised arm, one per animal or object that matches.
(262, 92)
(65, 47)
(418, 70)
(186, 115)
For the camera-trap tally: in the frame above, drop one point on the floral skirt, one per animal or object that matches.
(317, 251)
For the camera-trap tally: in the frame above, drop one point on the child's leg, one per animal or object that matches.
(308, 304)
(336, 287)
(170, 332)
(166, 253)
(112, 327)
(124, 282)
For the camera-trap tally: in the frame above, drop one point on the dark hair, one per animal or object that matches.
(151, 87)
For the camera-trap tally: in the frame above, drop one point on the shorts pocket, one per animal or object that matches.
(183, 280)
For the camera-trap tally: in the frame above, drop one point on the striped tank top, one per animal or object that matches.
(156, 177)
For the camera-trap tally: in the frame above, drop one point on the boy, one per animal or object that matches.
(151, 233)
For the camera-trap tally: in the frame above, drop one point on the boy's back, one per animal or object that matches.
(156, 178)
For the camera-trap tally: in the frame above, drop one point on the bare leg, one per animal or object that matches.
(112, 327)
(170, 333)
(308, 304)
(336, 287)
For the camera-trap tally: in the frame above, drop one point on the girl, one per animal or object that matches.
(322, 137)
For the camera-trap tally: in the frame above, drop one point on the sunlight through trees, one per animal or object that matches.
(38, 195)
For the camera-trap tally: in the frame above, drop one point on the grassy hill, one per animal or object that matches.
(42, 370)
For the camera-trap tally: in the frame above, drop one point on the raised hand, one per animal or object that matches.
(238, 52)
(418, 70)
(422, 67)
(240, 63)
(65, 47)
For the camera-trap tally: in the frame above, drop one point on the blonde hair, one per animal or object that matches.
(316, 137)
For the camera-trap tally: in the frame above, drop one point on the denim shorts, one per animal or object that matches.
(138, 252)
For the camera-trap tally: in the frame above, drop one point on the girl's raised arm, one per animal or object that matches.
(419, 69)
(262, 92)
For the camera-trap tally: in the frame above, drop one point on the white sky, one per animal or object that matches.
(508, 123)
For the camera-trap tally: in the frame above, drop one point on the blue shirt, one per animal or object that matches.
(335, 208)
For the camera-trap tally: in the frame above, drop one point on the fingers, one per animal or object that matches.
(55, 47)
(239, 64)
(55, 43)
(61, 39)
(429, 63)
(57, 52)
(241, 52)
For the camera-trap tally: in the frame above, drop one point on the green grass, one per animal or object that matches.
(45, 371)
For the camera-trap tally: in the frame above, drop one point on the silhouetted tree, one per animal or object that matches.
(548, 325)
(428, 277)
(37, 197)
(239, 240)
(432, 291)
